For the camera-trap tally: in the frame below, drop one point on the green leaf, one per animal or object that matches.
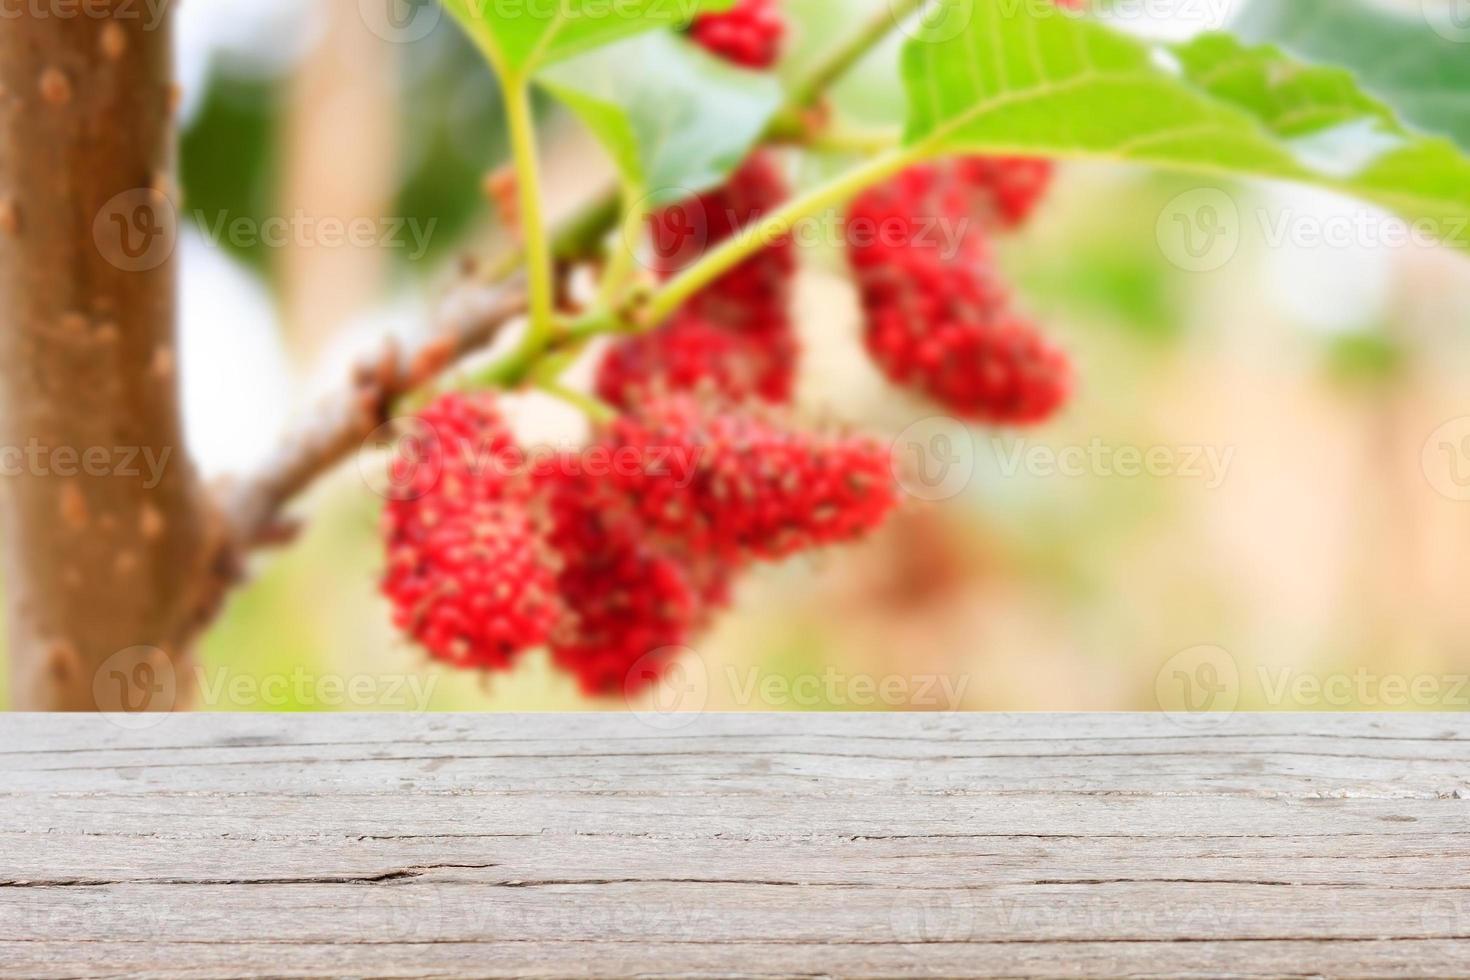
(1019, 78)
(520, 36)
(1416, 63)
(675, 119)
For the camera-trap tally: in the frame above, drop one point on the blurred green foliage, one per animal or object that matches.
(229, 158)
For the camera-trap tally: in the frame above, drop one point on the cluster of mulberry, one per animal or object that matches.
(734, 340)
(491, 552)
(938, 319)
(608, 565)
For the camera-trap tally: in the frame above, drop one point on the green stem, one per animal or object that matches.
(775, 226)
(576, 239)
(516, 367)
(622, 264)
(543, 335)
(834, 139)
(841, 59)
(594, 408)
(539, 274)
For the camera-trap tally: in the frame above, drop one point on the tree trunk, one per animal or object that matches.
(104, 528)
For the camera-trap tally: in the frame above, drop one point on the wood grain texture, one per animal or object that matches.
(856, 845)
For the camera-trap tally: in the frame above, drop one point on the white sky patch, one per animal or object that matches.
(1171, 20)
(258, 37)
(1346, 150)
(237, 381)
(1329, 259)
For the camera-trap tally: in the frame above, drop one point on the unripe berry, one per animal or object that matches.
(749, 33)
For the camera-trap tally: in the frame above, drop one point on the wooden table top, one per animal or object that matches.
(750, 845)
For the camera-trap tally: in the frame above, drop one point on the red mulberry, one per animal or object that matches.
(750, 302)
(455, 451)
(937, 318)
(692, 355)
(467, 574)
(758, 291)
(624, 599)
(739, 486)
(476, 589)
(749, 33)
(1006, 189)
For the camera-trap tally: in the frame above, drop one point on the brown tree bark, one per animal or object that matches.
(106, 535)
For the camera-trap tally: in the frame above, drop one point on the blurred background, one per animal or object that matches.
(1292, 365)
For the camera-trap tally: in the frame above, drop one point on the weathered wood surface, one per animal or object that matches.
(863, 845)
